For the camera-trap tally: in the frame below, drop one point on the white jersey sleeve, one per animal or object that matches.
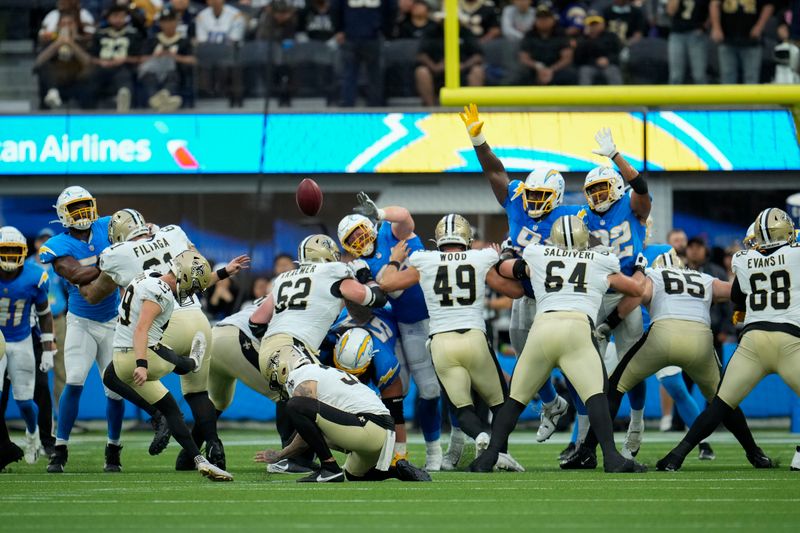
(680, 294)
(338, 389)
(307, 301)
(454, 285)
(241, 320)
(146, 287)
(771, 284)
(569, 280)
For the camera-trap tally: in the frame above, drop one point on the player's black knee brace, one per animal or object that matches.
(395, 407)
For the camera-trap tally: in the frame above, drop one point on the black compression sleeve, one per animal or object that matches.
(520, 270)
(639, 185)
(738, 298)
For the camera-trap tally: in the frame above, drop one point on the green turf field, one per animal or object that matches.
(722, 495)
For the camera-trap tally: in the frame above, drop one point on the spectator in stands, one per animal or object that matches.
(116, 52)
(222, 299)
(688, 40)
(417, 23)
(697, 259)
(221, 23)
(517, 19)
(737, 27)
(315, 22)
(429, 74)
(571, 15)
(360, 28)
(480, 16)
(283, 262)
(137, 15)
(164, 70)
(186, 16)
(657, 18)
(546, 52)
(63, 66)
(678, 240)
(278, 23)
(261, 287)
(626, 21)
(84, 23)
(597, 53)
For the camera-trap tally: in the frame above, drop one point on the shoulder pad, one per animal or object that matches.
(740, 252)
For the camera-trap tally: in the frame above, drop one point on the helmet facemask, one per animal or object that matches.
(80, 213)
(538, 201)
(362, 244)
(598, 195)
(12, 255)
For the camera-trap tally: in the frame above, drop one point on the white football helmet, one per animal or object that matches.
(602, 187)
(362, 244)
(749, 241)
(13, 248)
(354, 351)
(542, 191)
(126, 225)
(81, 217)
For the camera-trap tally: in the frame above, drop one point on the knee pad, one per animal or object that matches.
(395, 407)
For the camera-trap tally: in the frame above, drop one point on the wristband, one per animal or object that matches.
(222, 273)
(381, 214)
(141, 363)
(395, 264)
(479, 140)
(639, 185)
(613, 319)
(48, 337)
(612, 156)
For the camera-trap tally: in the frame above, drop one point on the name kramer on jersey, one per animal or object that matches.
(150, 246)
(557, 252)
(305, 269)
(761, 262)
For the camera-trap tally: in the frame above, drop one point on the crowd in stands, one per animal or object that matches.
(163, 54)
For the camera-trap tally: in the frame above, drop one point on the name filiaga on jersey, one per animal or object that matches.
(151, 246)
(767, 261)
(578, 254)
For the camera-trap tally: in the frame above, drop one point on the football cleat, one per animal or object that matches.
(216, 453)
(408, 472)
(481, 443)
(161, 434)
(582, 459)
(433, 459)
(549, 417)
(706, 453)
(484, 463)
(567, 452)
(627, 466)
(197, 353)
(323, 475)
(633, 441)
(795, 466)
(402, 457)
(290, 466)
(10, 453)
(508, 463)
(32, 446)
(760, 460)
(113, 458)
(184, 461)
(210, 471)
(58, 459)
(671, 462)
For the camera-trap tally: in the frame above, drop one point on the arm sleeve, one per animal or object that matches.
(738, 297)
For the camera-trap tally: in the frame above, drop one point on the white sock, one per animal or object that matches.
(433, 447)
(61, 442)
(637, 418)
(457, 436)
(400, 448)
(114, 442)
(583, 427)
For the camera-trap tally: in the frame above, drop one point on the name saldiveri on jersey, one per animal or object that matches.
(87, 254)
(620, 229)
(408, 305)
(524, 230)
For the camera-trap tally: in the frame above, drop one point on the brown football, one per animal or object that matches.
(309, 197)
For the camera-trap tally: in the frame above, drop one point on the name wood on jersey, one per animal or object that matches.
(453, 256)
(578, 254)
(150, 246)
(768, 261)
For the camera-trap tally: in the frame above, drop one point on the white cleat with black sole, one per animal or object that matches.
(549, 417)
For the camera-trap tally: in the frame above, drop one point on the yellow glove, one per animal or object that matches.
(738, 317)
(473, 123)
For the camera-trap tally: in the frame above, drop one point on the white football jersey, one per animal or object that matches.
(337, 389)
(228, 27)
(569, 280)
(126, 260)
(242, 319)
(766, 280)
(454, 285)
(680, 294)
(145, 287)
(305, 303)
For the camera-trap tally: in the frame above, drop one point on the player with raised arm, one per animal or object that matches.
(23, 287)
(619, 220)
(373, 244)
(570, 281)
(90, 327)
(679, 301)
(135, 248)
(144, 313)
(531, 207)
(453, 280)
(305, 301)
(770, 340)
(330, 408)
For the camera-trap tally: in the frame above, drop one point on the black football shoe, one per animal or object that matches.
(113, 464)
(216, 453)
(760, 460)
(582, 459)
(161, 434)
(671, 462)
(184, 461)
(58, 460)
(10, 453)
(408, 472)
(323, 475)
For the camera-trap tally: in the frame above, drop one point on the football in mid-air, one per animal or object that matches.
(309, 197)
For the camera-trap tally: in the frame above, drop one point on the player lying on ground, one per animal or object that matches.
(330, 408)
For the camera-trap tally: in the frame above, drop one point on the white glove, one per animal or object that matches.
(47, 360)
(641, 262)
(602, 332)
(605, 143)
(367, 207)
